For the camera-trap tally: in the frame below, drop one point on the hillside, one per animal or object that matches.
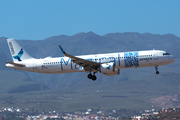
(131, 94)
(133, 88)
(14, 81)
(168, 101)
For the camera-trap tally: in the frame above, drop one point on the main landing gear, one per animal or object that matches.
(157, 72)
(93, 77)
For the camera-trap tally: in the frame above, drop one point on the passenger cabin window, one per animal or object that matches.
(166, 54)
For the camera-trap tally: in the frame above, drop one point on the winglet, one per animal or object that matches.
(62, 50)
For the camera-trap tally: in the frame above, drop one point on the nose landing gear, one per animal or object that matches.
(93, 77)
(157, 72)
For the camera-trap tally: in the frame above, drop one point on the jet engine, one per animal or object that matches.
(109, 69)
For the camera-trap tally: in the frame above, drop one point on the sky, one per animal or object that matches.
(40, 19)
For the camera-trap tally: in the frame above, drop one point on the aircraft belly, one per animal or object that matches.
(163, 61)
(66, 68)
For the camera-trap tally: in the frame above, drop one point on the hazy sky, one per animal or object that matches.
(40, 19)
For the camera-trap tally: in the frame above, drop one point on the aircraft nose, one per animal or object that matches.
(173, 59)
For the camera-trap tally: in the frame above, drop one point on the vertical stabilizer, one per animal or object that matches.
(17, 52)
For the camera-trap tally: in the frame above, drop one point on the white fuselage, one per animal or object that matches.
(121, 60)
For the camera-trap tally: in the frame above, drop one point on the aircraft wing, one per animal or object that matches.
(88, 65)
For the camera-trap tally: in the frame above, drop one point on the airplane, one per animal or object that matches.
(108, 64)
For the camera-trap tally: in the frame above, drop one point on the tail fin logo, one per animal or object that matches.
(18, 56)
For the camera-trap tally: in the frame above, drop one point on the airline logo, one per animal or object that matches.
(18, 56)
(109, 67)
(145, 59)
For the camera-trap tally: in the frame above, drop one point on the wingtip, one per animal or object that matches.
(62, 50)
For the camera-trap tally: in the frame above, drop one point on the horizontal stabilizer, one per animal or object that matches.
(16, 64)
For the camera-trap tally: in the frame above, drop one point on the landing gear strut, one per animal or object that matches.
(157, 72)
(93, 77)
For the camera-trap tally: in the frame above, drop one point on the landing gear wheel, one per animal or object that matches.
(157, 72)
(94, 78)
(90, 76)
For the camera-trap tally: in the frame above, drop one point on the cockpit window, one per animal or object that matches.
(166, 54)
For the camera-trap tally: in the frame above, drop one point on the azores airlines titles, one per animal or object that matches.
(108, 64)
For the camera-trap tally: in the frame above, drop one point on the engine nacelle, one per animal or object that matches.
(116, 72)
(109, 69)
